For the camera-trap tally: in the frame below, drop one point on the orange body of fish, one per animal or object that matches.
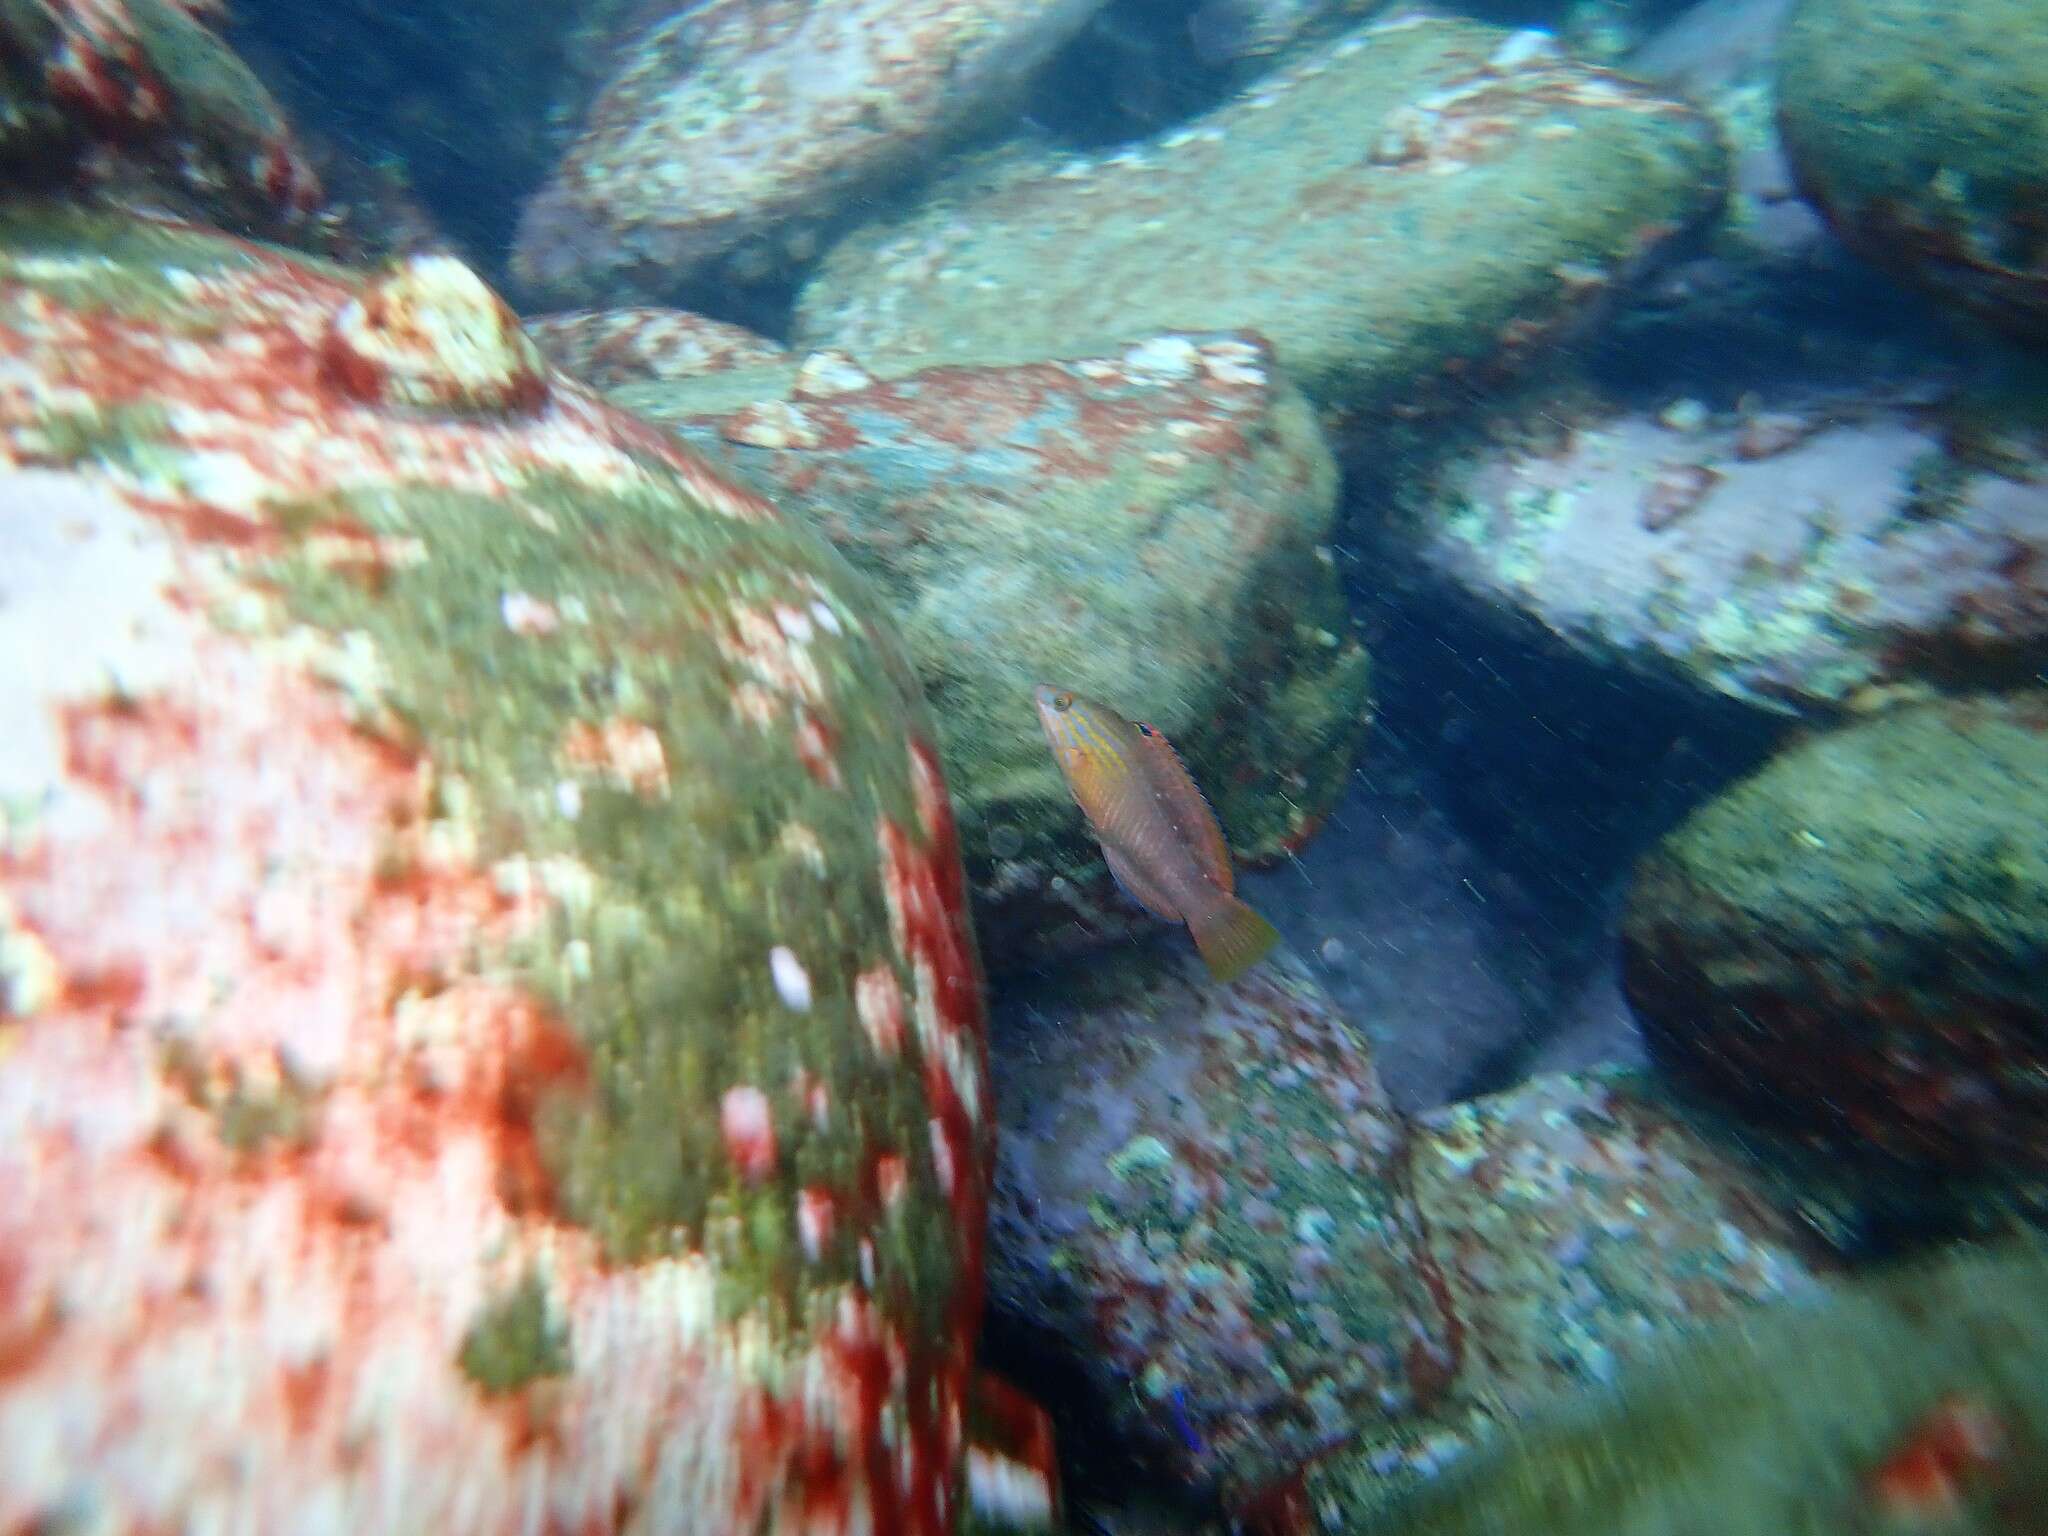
(1156, 830)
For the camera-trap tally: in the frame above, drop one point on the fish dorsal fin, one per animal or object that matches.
(1140, 890)
(1185, 806)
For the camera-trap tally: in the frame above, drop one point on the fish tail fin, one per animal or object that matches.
(1232, 937)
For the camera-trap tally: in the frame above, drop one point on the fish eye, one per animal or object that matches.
(1143, 729)
(1062, 701)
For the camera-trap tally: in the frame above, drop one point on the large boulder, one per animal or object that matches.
(1919, 128)
(491, 1033)
(1144, 525)
(1199, 1192)
(1413, 204)
(1800, 552)
(1850, 943)
(142, 98)
(761, 121)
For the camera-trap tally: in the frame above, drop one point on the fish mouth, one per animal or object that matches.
(1042, 695)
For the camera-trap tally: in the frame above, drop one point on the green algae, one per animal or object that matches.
(516, 1340)
(670, 993)
(116, 437)
(127, 268)
(1769, 1426)
(1369, 279)
(249, 1117)
(1921, 126)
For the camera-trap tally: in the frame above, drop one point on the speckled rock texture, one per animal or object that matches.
(1416, 203)
(1801, 553)
(1850, 944)
(1912, 1401)
(757, 121)
(1198, 1184)
(141, 98)
(611, 347)
(1920, 128)
(489, 1032)
(1266, 1263)
(1144, 525)
(1576, 1219)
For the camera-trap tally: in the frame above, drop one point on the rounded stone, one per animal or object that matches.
(1919, 128)
(428, 333)
(490, 1037)
(1850, 944)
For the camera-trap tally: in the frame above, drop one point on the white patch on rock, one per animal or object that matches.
(85, 614)
(792, 981)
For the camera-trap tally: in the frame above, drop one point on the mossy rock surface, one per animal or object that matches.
(1851, 942)
(1146, 526)
(1920, 128)
(481, 933)
(1914, 1400)
(1399, 209)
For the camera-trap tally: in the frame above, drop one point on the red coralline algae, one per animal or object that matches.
(749, 1133)
(322, 901)
(150, 82)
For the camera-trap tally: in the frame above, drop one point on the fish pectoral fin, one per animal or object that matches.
(1138, 888)
(1232, 937)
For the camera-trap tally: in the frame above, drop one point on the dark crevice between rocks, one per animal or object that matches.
(1102, 1474)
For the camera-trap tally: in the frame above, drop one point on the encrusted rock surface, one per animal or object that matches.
(1261, 1263)
(1199, 1185)
(1919, 128)
(611, 347)
(1144, 525)
(1910, 1401)
(141, 97)
(1850, 944)
(759, 120)
(1799, 553)
(1411, 204)
(489, 1032)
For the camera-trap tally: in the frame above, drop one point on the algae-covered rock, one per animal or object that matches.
(759, 121)
(1415, 201)
(1801, 553)
(1913, 1401)
(1575, 1218)
(489, 1034)
(612, 347)
(1198, 1188)
(1144, 525)
(1850, 943)
(169, 110)
(1920, 129)
(1575, 1222)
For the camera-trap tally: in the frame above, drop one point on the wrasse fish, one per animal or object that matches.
(1156, 830)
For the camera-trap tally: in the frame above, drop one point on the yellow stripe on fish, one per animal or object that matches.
(1156, 830)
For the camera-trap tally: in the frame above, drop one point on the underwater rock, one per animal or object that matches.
(141, 98)
(1419, 203)
(1799, 556)
(462, 104)
(1577, 1217)
(1144, 525)
(489, 1031)
(1849, 944)
(758, 121)
(1919, 128)
(612, 347)
(1197, 1186)
(1913, 1401)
